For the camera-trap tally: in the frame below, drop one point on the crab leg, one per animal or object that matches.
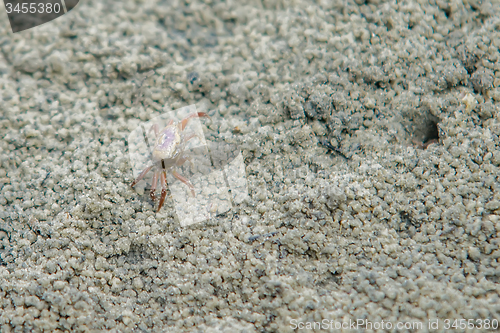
(141, 175)
(184, 180)
(184, 121)
(189, 137)
(163, 182)
(154, 128)
(153, 186)
(183, 159)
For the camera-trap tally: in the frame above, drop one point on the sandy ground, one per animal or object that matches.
(393, 218)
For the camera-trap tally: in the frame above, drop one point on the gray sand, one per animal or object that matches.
(405, 228)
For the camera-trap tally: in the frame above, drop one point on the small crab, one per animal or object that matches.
(168, 152)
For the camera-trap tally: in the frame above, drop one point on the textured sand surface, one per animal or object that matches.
(403, 228)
